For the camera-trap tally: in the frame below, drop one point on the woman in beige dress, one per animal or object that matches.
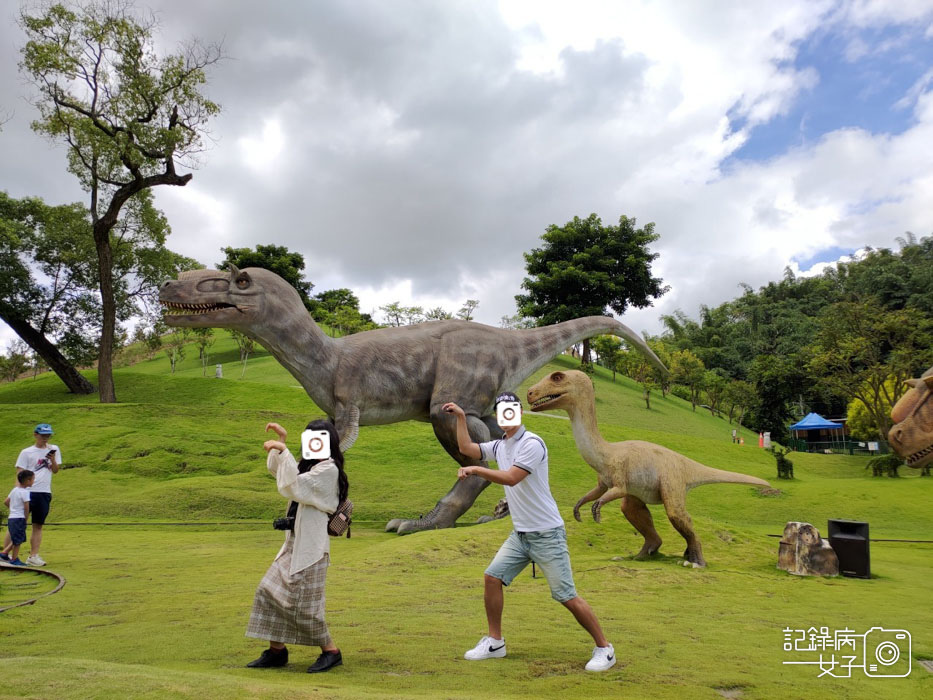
(289, 604)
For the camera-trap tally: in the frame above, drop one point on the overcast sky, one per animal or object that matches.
(412, 151)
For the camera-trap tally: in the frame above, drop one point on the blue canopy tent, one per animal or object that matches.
(814, 421)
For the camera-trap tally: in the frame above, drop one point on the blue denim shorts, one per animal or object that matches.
(547, 549)
(17, 527)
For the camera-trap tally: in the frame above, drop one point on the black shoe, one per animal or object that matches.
(326, 661)
(270, 659)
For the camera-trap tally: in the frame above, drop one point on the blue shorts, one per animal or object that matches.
(39, 504)
(547, 549)
(17, 527)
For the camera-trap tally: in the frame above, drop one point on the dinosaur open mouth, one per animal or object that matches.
(920, 456)
(544, 400)
(176, 309)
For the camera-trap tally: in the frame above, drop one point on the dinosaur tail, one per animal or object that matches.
(552, 340)
(720, 476)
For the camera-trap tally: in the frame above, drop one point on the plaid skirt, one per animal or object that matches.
(290, 609)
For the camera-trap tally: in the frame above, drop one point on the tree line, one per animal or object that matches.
(841, 343)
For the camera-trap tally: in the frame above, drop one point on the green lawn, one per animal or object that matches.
(159, 610)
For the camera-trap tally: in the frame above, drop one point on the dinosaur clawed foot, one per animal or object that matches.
(576, 513)
(648, 550)
(694, 558)
(597, 512)
(406, 527)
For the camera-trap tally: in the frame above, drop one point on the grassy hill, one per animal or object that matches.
(159, 611)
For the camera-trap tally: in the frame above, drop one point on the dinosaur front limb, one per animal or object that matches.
(590, 496)
(610, 495)
(637, 513)
(347, 423)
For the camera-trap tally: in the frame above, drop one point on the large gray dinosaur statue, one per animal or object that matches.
(386, 375)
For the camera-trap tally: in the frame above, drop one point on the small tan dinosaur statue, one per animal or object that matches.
(638, 472)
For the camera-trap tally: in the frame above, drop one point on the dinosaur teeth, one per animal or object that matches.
(545, 399)
(917, 456)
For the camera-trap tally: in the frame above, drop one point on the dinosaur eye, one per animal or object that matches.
(557, 377)
(242, 282)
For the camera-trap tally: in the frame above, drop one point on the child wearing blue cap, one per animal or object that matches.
(44, 460)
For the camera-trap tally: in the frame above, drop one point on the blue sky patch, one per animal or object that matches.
(860, 92)
(831, 254)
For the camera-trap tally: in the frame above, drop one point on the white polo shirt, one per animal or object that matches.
(530, 501)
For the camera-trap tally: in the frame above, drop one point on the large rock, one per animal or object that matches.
(803, 552)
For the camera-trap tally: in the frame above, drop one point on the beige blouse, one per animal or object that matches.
(315, 491)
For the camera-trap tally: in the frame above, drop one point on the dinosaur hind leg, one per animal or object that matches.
(637, 513)
(459, 499)
(676, 507)
(455, 503)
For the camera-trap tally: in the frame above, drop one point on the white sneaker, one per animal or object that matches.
(35, 560)
(488, 648)
(603, 658)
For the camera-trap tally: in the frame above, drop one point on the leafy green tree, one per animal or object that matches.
(438, 313)
(740, 397)
(174, 344)
(609, 351)
(585, 267)
(865, 352)
(204, 339)
(715, 384)
(636, 366)
(413, 315)
(466, 311)
(245, 345)
(48, 277)
(687, 369)
(516, 321)
(52, 241)
(332, 299)
(278, 259)
(394, 313)
(14, 362)
(127, 117)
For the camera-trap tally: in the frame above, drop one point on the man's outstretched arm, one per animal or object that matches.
(464, 442)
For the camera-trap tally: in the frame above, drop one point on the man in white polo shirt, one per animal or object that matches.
(538, 537)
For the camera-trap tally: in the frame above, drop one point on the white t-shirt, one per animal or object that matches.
(19, 497)
(35, 459)
(530, 501)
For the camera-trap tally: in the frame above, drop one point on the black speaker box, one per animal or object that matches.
(849, 539)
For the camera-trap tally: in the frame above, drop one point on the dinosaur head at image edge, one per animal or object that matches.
(230, 298)
(912, 433)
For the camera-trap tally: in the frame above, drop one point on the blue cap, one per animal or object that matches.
(43, 429)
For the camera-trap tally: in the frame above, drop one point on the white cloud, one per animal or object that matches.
(413, 151)
(262, 152)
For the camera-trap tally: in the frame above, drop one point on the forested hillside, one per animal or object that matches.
(837, 343)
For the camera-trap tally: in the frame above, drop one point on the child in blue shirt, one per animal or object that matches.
(18, 503)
